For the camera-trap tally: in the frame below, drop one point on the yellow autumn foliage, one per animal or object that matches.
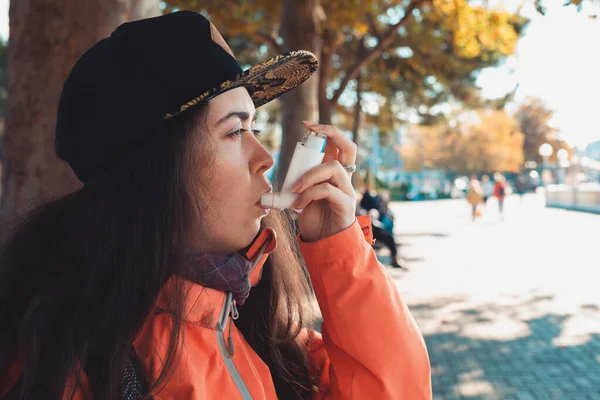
(492, 143)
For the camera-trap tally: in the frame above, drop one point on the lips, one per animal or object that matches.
(268, 190)
(265, 211)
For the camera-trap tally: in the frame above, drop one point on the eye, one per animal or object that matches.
(237, 133)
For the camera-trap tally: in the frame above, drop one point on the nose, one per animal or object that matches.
(262, 160)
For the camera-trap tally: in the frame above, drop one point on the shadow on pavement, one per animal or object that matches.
(421, 234)
(511, 351)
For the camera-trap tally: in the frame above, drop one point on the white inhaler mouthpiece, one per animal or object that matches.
(308, 154)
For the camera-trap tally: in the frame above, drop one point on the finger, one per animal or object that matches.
(331, 152)
(331, 171)
(339, 201)
(347, 148)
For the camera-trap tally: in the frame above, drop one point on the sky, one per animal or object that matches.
(557, 60)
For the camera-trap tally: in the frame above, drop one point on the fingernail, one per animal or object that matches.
(294, 206)
(296, 186)
(309, 122)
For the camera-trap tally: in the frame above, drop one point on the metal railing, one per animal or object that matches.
(584, 197)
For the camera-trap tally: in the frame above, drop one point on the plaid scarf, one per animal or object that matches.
(223, 272)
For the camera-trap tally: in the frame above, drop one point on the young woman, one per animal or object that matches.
(138, 284)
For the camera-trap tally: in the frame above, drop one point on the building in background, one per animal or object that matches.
(592, 150)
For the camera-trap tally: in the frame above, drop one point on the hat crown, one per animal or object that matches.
(122, 88)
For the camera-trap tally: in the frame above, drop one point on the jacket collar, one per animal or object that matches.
(203, 305)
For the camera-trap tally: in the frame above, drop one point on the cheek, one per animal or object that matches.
(228, 182)
(230, 191)
(231, 224)
(230, 220)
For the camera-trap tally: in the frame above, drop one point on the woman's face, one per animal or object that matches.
(236, 179)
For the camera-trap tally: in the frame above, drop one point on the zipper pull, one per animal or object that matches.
(234, 316)
(234, 311)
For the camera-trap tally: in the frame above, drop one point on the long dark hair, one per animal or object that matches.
(79, 275)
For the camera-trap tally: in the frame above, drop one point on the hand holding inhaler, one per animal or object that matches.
(308, 154)
(318, 184)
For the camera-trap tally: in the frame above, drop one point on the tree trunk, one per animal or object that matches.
(326, 72)
(356, 127)
(46, 39)
(357, 109)
(300, 31)
(360, 54)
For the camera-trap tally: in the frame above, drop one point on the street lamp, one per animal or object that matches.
(530, 164)
(545, 151)
(562, 154)
(575, 159)
(563, 164)
(575, 164)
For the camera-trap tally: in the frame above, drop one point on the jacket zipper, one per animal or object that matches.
(234, 315)
(230, 311)
(258, 256)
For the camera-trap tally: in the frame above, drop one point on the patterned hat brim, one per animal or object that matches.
(265, 81)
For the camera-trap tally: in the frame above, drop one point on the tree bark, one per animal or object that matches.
(325, 74)
(362, 50)
(300, 26)
(356, 182)
(46, 39)
(357, 109)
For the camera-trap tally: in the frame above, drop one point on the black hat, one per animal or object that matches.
(124, 87)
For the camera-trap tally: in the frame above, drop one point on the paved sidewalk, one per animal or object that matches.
(509, 309)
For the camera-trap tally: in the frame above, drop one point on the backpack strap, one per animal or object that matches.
(133, 379)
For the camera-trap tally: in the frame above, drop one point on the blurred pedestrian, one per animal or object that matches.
(380, 234)
(370, 199)
(373, 200)
(521, 186)
(500, 192)
(474, 197)
(487, 187)
(386, 217)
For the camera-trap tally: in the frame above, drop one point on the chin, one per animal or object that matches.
(249, 233)
(255, 229)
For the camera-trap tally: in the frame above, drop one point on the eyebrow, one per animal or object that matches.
(242, 115)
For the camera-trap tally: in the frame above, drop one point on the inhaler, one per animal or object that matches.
(308, 154)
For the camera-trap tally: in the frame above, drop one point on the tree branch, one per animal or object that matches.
(270, 40)
(377, 50)
(373, 26)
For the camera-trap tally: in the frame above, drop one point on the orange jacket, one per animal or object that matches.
(370, 347)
